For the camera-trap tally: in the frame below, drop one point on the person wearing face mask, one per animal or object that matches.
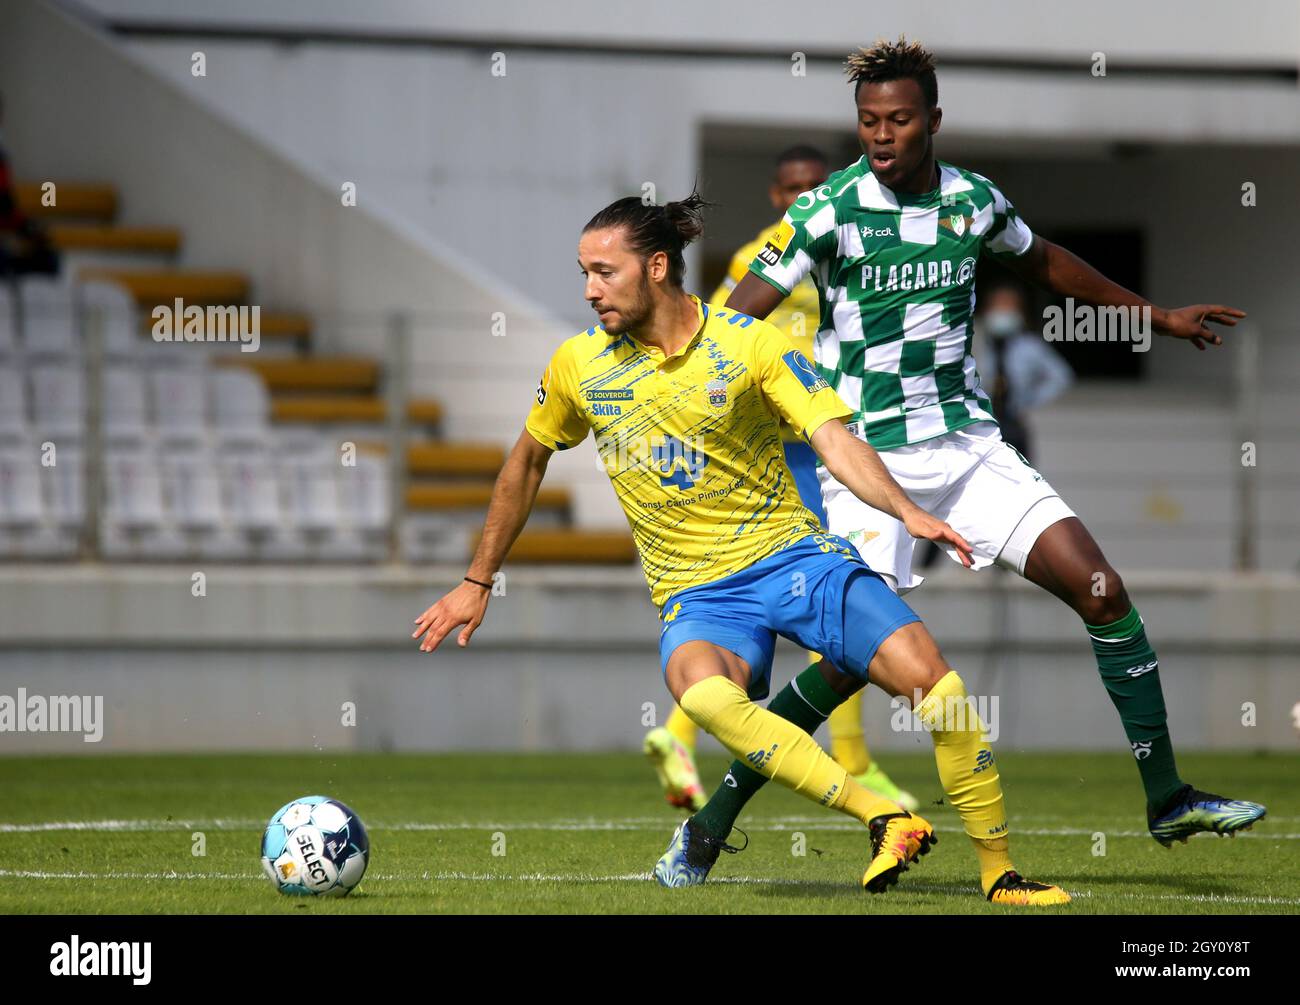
(1020, 370)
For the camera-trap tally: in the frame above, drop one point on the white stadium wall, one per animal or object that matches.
(268, 659)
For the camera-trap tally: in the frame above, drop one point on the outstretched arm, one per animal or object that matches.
(1054, 268)
(755, 297)
(512, 501)
(858, 467)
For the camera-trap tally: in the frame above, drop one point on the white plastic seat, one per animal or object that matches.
(241, 408)
(133, 498)
(123, 405)
(20, 487)
(180, 412)
(13, 405)
(49, 319)
(65, 488)
(312, 494)
(58, 396)
(116, 309)
(364, 491)
(192, 487)
(249, 490)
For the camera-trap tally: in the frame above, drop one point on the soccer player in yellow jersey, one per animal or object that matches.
(671, 747)
(685, 403)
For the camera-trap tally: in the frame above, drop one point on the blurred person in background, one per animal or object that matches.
(1021, 370)
(24, 246)
(670, 748)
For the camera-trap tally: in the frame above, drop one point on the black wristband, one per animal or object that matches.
(479, 582)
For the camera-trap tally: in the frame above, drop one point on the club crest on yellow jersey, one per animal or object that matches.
(717, 393)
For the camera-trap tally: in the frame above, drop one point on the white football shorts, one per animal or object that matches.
(970, 478)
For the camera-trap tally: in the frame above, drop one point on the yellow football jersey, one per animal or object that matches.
(798, 315)
(690, 441)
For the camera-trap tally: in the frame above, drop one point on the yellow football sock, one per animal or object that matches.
(848, 742)
(778, 749)
(680, 725)
(968, 773)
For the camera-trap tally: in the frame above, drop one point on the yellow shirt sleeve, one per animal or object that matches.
(788, 379)
(556, 419)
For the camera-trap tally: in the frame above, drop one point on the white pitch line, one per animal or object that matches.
(635, 877)
(39, 874)
(653, 824)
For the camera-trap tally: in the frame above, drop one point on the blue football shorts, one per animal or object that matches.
(817, 592)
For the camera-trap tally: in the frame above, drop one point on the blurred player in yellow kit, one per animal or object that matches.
(671, 748)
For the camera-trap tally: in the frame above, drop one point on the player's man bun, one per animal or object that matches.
(650, 228)
(901, 60)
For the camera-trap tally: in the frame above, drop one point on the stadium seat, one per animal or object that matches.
(48, 319)
(58, 396)
(20, 487)
(133, 496)
(192, 487)
(125, 417)
(179, 405)
(13, 405)
(313, 374)
(65, 490)
(436, 459)
(116, 309)
(240, 406)
(309, 488)
(76, 201)
(365, 494)
(249, 488)
(133, 521)
(29, 530)
(162, 286)
(108, 237)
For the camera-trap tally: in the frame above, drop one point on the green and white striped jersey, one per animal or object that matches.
(896, 278)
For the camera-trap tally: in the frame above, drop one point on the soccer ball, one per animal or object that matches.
(315, 845)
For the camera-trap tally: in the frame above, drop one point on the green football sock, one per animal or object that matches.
(1130, 671)
(806, 701)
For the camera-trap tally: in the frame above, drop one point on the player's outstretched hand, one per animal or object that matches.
(921, 524)
(1190, 323)
(464, 605)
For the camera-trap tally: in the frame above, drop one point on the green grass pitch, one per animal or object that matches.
(580, 832)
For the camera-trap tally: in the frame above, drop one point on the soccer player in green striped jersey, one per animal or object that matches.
(892, 243)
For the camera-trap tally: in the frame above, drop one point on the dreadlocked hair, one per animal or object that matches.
(901, 60)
